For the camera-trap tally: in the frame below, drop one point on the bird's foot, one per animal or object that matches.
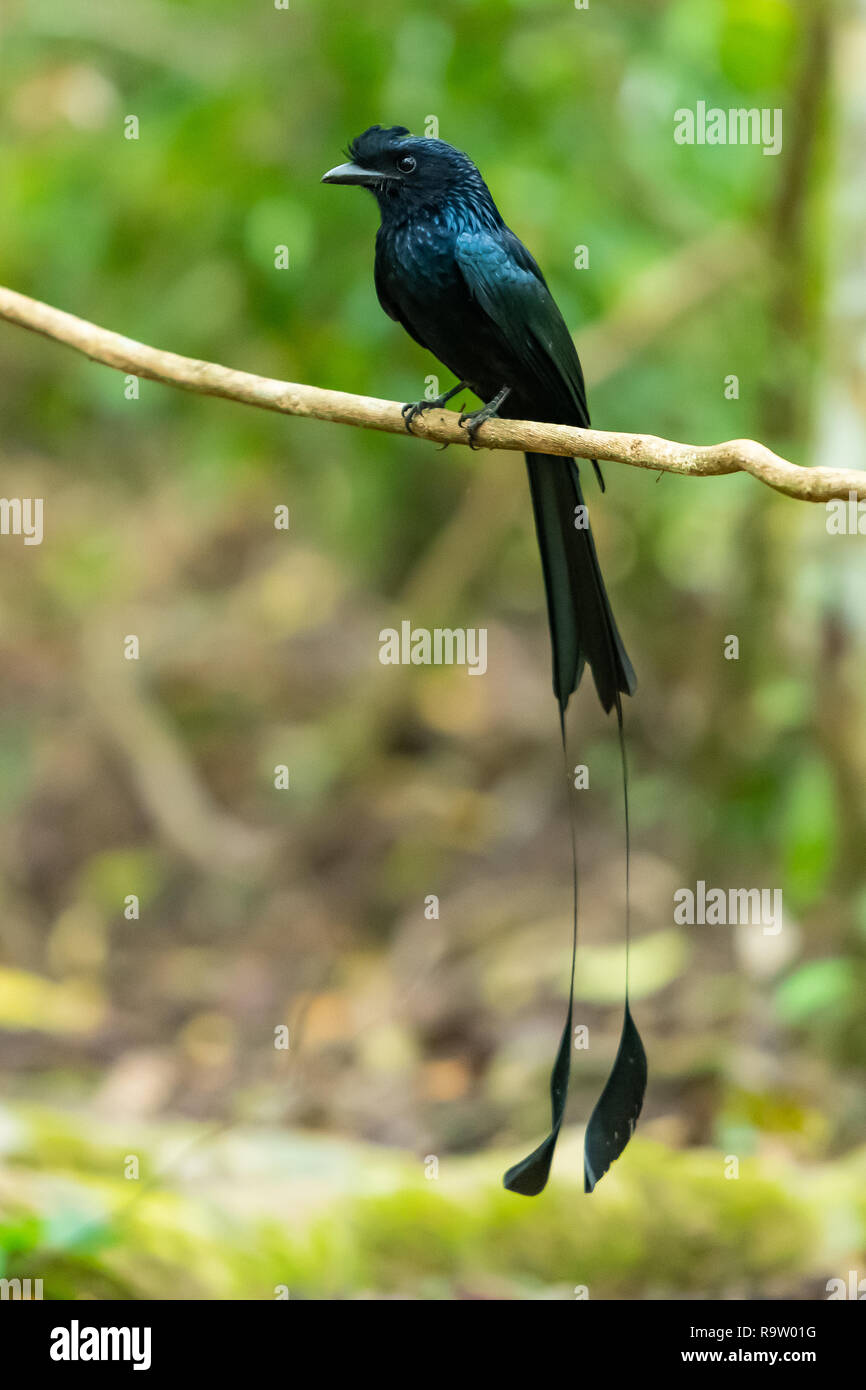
(473, 420)
(411, 411)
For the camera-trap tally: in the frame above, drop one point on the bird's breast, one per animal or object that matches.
(420, 283)
(421, 254)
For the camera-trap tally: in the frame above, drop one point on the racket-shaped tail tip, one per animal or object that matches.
(613, 1120)
(529, 1177)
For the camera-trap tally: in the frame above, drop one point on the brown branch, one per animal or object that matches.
(639, 450)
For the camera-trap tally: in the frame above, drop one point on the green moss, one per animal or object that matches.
(349, 1221)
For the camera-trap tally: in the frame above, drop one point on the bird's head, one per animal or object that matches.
(406, 171)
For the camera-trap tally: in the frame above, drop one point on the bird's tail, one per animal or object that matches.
(582, 630)
(582, 626)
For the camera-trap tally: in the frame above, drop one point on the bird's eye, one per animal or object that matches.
(406, 164)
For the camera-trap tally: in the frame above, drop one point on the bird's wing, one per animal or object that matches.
(507, 284)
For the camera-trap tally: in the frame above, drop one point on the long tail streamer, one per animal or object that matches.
(529, 1177)
(616, 1112)
(612, 1122)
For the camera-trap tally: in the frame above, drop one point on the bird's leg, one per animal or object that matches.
(416, 408)
(475, 418)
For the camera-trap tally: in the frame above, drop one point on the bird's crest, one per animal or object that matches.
(366, 148)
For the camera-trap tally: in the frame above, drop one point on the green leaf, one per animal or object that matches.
(817, 987)
(809, 833)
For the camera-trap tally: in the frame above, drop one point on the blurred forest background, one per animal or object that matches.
(152, 1040)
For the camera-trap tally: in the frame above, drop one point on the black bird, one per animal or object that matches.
(466, 288)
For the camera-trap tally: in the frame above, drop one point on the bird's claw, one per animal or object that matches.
(411, 412)
(472, 420)
(415, 408)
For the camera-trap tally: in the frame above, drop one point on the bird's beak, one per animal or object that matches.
(353, 173)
